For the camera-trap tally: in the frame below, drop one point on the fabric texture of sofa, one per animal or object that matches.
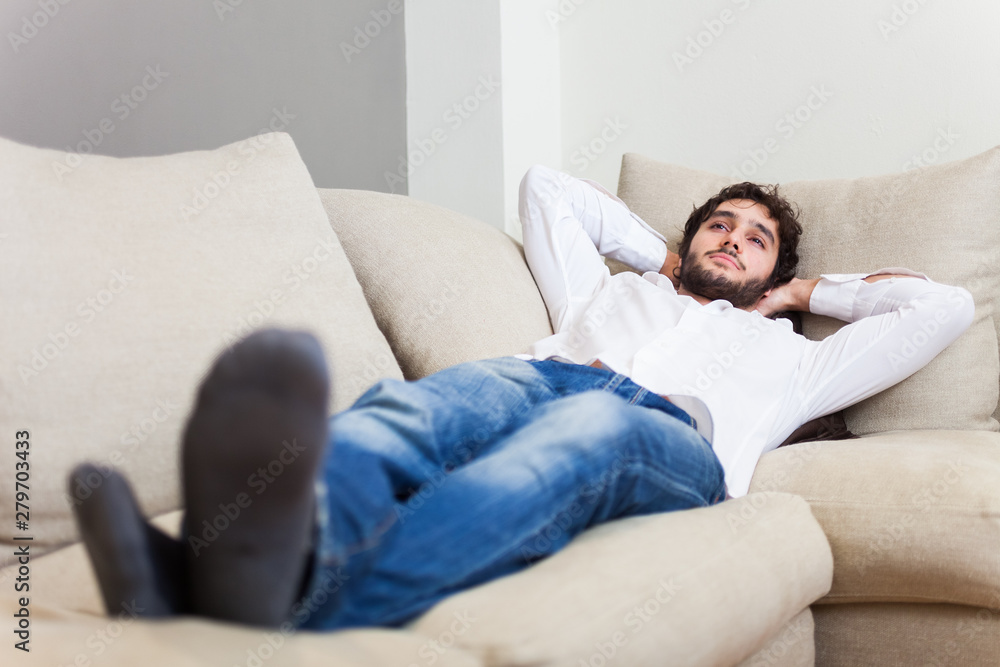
(126, 277)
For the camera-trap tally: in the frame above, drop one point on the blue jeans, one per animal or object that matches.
(432, 486)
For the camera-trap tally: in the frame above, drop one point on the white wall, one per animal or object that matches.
(482, 103)
(776, 90)
(454, 122)
(532, 111)
(598, 74)
(887, 80)
(224, 66)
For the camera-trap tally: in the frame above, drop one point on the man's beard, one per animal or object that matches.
(698, 280)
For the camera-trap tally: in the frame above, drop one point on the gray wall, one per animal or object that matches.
(224, 67)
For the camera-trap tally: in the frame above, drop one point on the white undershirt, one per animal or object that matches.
(758, 378)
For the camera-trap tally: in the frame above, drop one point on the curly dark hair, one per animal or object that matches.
(779, 209)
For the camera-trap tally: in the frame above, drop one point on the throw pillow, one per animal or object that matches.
(122, 281)
(427, 273)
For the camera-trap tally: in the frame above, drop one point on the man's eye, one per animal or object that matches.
(719, 224)
(759, 242)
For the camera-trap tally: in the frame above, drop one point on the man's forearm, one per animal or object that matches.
(800, 291)
(796, 294)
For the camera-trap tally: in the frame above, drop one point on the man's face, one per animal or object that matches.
(732, 255)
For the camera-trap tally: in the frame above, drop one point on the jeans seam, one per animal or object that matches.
(639, 395)
(614, 382)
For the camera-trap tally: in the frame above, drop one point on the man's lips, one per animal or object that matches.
(725, 257)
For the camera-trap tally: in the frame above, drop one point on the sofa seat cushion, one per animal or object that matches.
(130, 276)
(64, 580)
(59, 637)
(924, 635)
(741, 574)
(912, 516)
(928, 220)
(445, 288)
(794, 645)
(708, 586)
(69, 627)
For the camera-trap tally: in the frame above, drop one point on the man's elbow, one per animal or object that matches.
(964, 304)
(540, 187)
(956, 310)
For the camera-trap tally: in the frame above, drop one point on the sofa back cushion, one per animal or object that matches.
(445, 288)
(124, 278)
(939, 220)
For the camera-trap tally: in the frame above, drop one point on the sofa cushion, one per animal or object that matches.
(195, 642)
(64, 580)
(65, 589)
(707, 586)
(792, 646)
(924, 635)
(68, 621)
(929, 220)
(912, 516)
(128, 277)
(445, 288)
(65, 638)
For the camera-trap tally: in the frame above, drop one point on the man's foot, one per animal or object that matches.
(250, 454)
(138, 567)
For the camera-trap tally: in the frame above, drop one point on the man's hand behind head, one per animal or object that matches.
(793, 295)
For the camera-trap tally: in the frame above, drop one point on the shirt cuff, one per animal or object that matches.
(836, 293)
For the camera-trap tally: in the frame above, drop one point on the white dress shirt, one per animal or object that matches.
(758, 378)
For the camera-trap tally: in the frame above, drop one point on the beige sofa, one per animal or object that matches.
(125, 277)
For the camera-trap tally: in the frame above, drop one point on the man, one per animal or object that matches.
(656, 392)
